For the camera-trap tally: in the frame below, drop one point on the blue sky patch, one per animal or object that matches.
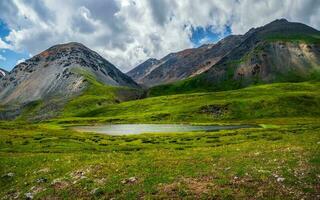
(9, 58)
(201, 35)
(4, 30)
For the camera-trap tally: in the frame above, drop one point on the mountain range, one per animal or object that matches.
(280, 51)
(183, 64)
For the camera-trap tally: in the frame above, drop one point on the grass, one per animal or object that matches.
(204, 83)
(309, 39)
(280, 160)
(49, 161)
(264, 101)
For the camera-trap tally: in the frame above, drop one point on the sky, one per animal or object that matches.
(127, 32)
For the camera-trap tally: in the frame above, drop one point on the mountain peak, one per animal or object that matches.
(69, 44)
(281, 20)
(62, 70)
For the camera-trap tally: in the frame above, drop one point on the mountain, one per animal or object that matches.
(62, 71)
(280, 51)
(183, 64)
(143, 69)
(3, 72)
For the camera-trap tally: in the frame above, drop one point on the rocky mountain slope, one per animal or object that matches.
(280, 51)
(60, 71)
(183, 64)
(3, 72)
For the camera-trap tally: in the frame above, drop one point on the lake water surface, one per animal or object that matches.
(133, 129)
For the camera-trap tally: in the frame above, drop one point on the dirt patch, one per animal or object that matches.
(195, 187)
(215, 110)
(59, 184)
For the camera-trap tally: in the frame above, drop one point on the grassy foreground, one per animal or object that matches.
(281, 160)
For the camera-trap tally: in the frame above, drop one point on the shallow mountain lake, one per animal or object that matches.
(133, 129)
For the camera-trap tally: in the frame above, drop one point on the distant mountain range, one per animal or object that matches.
(278, 51)
(60, 71)
(183, 64)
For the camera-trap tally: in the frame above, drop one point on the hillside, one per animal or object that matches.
(280, 51)
(61, 72)
(265, 101)
(183, 64)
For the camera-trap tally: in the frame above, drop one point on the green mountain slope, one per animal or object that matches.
(265, 101)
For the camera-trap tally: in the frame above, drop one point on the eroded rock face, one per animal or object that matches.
(261, 58)
(60, 71)
(285, 58)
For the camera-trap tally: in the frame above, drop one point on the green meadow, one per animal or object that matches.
(279, 160)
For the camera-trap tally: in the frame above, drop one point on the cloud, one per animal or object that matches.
(252, 13)
(126, 32)
(20, 61)
(4, 45)
(3, 58)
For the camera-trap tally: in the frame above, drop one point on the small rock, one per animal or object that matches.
(58, 180)
(97, 191)
(41, 180)
(100, 181)
(44, 170)
(29, 195)
(8, 175)
(280, 179)
(94, 190)
(78, 174)
(130, 180)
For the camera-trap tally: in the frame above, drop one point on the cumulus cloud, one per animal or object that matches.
(126, 32)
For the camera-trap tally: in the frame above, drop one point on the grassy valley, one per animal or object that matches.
(279, 160)
(268, 79)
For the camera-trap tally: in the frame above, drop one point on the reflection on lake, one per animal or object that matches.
(132, 129)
